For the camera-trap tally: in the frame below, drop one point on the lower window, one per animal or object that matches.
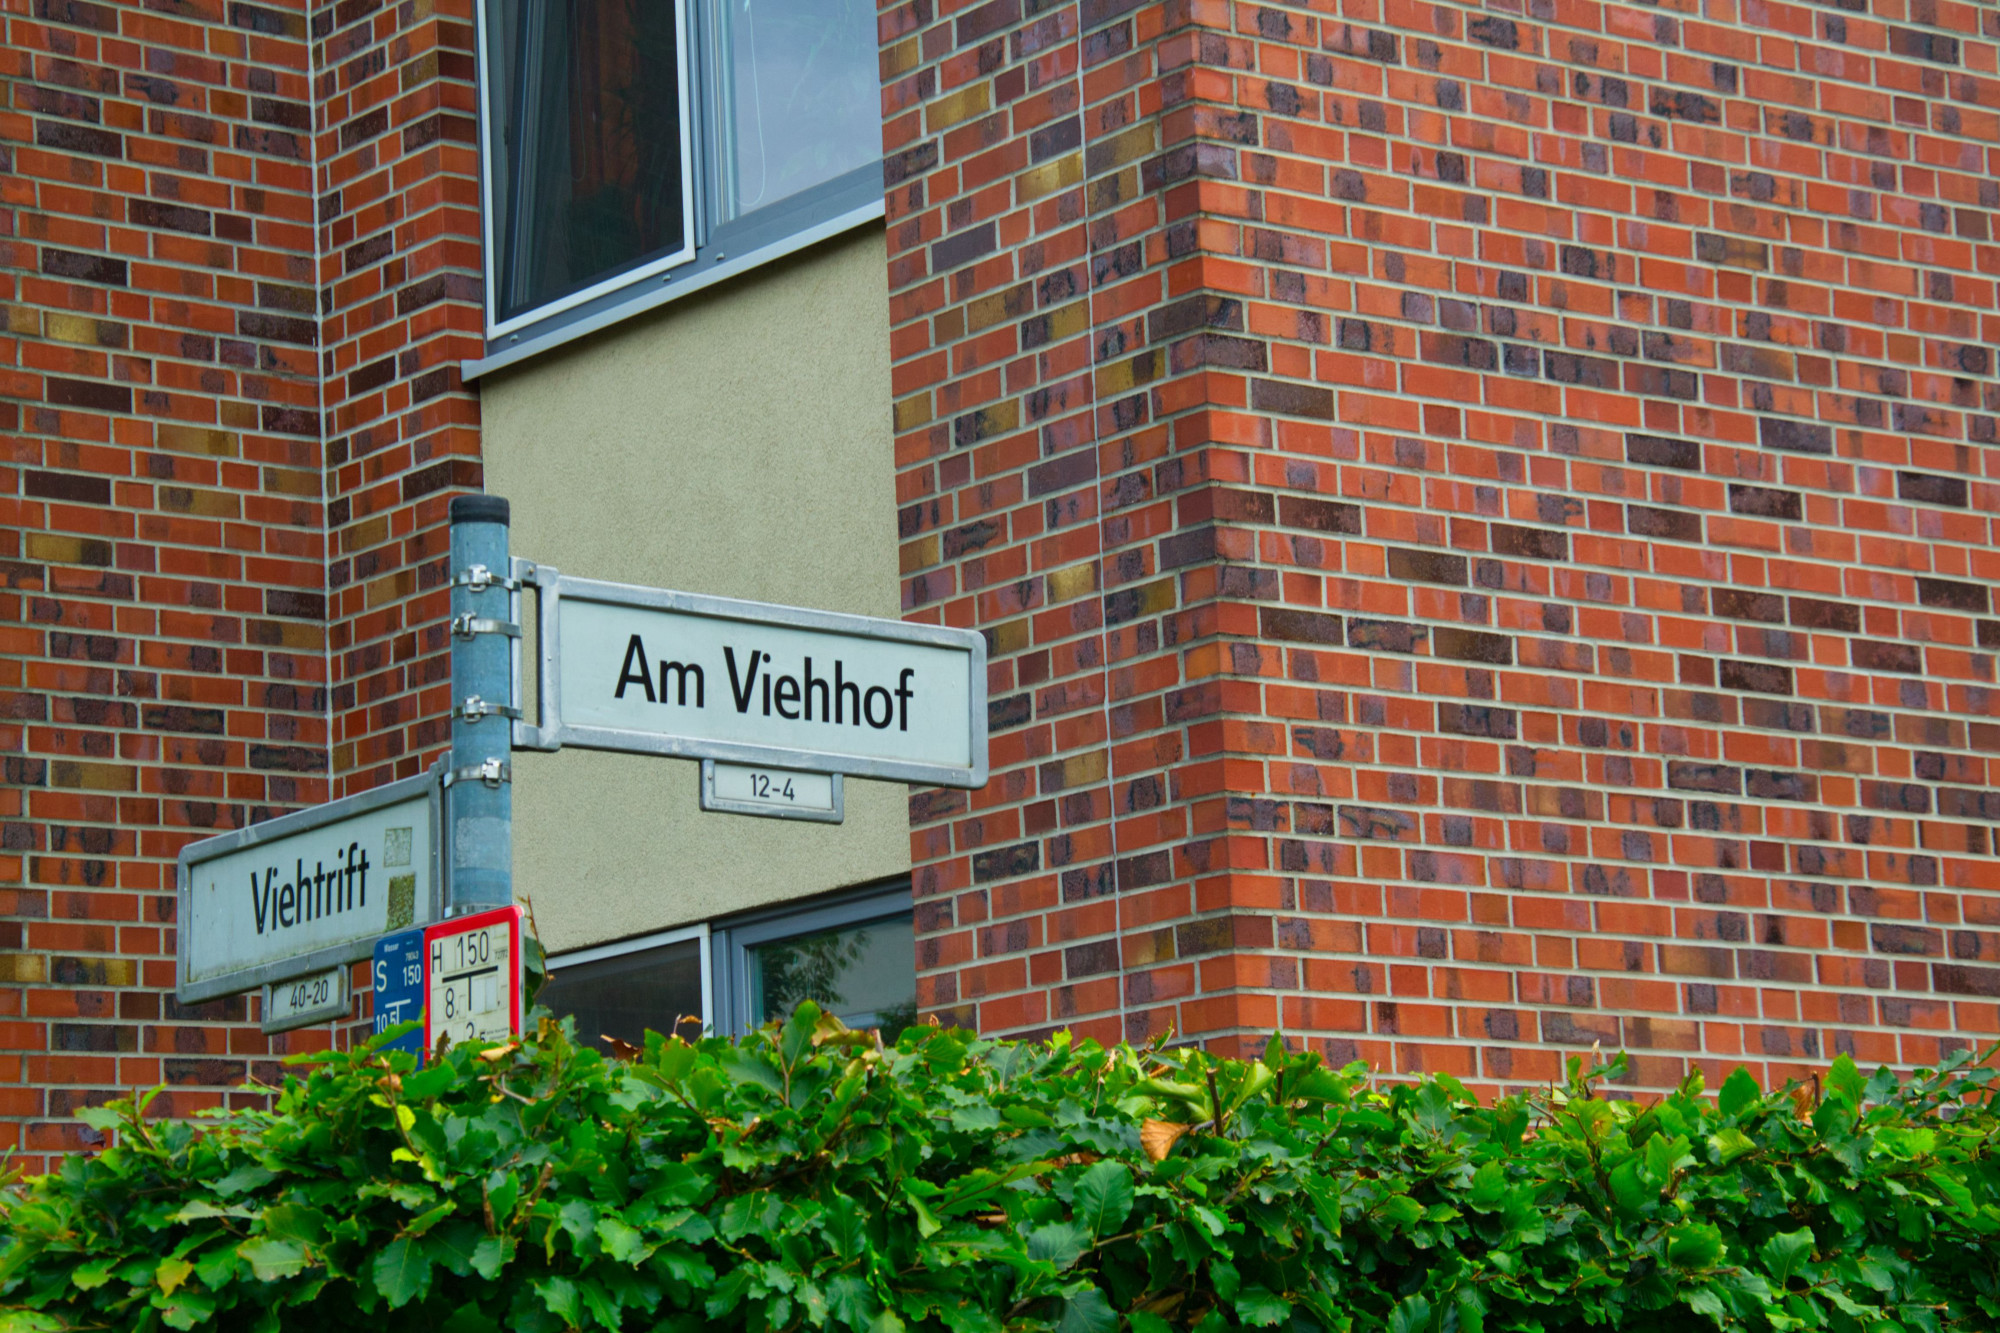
(854, 954)
(622, 990)
(863, 974)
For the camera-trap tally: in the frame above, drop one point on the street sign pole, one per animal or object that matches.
(479, 798)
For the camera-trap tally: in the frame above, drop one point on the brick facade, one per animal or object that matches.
(398, 194)
(165, 657)
(1484, 516)
(204, 200)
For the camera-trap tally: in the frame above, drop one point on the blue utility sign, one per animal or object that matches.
(399, 987)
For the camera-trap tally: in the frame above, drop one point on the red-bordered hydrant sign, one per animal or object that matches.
(473, 982)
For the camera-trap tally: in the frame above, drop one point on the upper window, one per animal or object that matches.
(625, 141)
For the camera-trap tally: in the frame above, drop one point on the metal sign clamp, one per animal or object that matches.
(467, 625)
(492, 772)
(475, 708)
(479, 578)
(546, 580)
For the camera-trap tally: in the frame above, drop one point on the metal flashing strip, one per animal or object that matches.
(651, 297)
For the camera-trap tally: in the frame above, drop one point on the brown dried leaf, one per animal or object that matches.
(499, 1053)
(1158, 1138)
(620, 1049)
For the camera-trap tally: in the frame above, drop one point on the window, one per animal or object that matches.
(631, 145)
(621, 990)
(855, 956)
(859, 973)
(588, 174)
(854, 953)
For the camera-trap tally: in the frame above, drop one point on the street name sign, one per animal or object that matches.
(472, 977)
(305, 892)
(302, 1001)
(649, 671)
(399, 988)
(777, 793)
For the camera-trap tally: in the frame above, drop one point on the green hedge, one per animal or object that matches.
(807, 1178)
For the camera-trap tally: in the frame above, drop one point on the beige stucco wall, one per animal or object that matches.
(736, 443)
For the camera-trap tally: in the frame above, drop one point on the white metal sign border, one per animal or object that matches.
(550, 732)
(284, 826)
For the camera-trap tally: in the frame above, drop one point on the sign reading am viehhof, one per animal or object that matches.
(651, 671)
(308, 890)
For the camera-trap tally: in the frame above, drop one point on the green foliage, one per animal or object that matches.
(807, 1178)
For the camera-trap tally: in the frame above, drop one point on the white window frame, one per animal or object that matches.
(497, 327)
(690, 269)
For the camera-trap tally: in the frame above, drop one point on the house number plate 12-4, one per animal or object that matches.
(779, 793)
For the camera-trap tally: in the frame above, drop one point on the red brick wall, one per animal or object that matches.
(201, 520)
(398, 189)
(163, 562)
(1484, 516)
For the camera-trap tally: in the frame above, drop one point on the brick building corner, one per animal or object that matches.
(1483, 515)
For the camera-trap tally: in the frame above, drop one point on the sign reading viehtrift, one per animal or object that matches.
(306, 891)
(673, 673)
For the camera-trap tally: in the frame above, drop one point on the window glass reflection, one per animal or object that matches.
(865, 974)
(803, 97)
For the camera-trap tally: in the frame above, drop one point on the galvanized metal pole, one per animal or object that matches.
(479, 797)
